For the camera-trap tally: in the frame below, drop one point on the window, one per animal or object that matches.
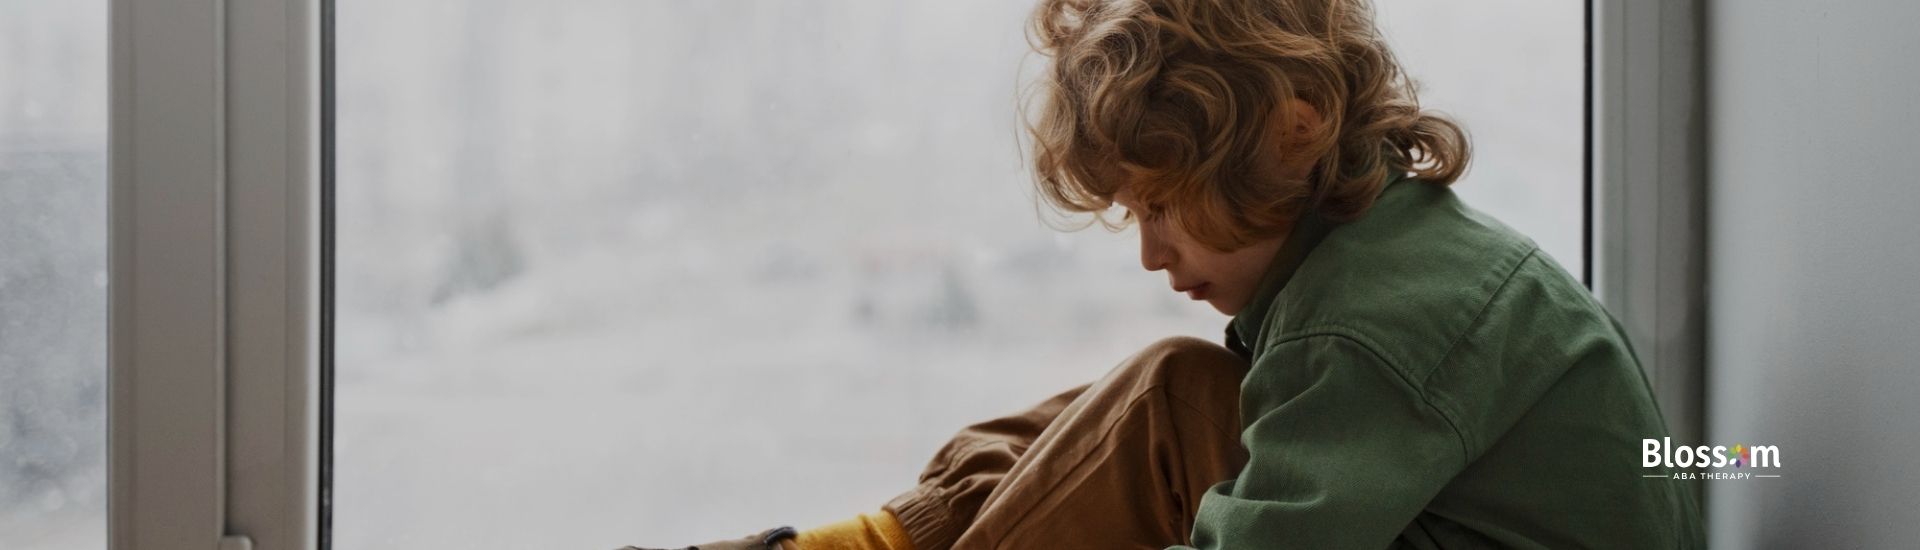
(1513, 72)
(663, 272)
(53, 278)
(591, 272)
(620, 272)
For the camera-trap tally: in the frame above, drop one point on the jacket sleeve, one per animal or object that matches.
(1344, 451)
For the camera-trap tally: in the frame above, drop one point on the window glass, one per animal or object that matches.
(1513, 72)
(616, 272)
(53, 278)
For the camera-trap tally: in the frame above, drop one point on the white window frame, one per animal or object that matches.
(215, 170)
(214, 257)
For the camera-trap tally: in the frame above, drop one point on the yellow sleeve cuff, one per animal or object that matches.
(877, 531)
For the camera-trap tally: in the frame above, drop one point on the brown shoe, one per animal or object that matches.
(772, 539)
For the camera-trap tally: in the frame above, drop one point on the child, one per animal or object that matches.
(1400, 370)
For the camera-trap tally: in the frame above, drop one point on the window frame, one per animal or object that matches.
(213, 304)
(219, 307)
(1647, 192)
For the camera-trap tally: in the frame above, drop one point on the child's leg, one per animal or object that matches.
(1121, 463)
(967, 469)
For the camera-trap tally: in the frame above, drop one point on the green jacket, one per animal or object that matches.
(1425, 377)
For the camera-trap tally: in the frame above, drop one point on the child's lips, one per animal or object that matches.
(1196, 292)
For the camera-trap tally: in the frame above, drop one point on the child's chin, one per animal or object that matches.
(1223, 307)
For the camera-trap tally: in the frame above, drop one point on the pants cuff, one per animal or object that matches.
(927, 518)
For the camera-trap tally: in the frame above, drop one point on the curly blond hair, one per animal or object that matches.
(1174, 101)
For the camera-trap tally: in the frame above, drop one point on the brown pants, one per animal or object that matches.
(1119, 463)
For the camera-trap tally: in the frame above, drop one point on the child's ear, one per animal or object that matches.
(1306, 119)
(1300, 123)
(1293, 121)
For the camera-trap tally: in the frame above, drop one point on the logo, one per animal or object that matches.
(1708, 462)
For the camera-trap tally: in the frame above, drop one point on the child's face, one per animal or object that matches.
(1226, 280)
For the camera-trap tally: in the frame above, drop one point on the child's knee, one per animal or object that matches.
(1186, 367)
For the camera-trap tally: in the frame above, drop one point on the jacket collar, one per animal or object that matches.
(1244, 331)
(1305, 235)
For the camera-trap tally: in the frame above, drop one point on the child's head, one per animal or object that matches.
(1217, 123)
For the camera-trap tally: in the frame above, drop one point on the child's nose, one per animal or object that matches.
(1155, 255)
